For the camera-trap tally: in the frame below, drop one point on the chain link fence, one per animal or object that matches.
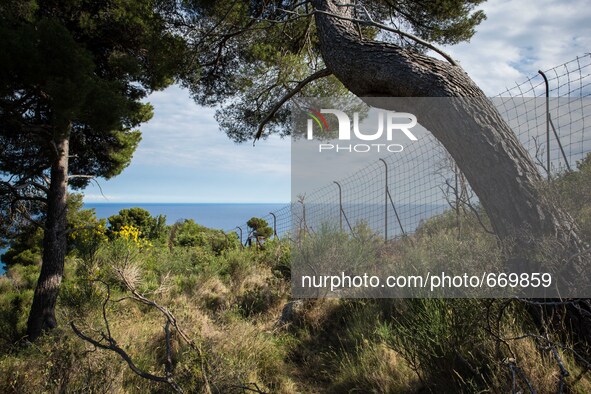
(403, 191)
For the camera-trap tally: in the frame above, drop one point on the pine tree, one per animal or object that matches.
(72, 77)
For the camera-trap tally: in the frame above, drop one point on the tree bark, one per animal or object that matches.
(42, 314)
(484, 147)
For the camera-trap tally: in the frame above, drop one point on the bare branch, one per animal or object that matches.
(468, 204)
(81, 176)
(170, 318)
(168, 367)
(112, 346)
(317, 75)
(247, 387)
(25, 214)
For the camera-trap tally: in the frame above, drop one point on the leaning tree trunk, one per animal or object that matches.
(42, 314)
(486, 150)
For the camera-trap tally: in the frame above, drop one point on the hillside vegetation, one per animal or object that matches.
(195, 308)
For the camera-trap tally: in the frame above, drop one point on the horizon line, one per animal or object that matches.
(183, 202)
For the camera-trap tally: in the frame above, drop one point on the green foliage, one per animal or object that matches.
(441, 337)
(328, 345)
(74, 85)
(443, 21)
(252, 53)
(277, 255)
(151, 228)
(335, 251)
(325, 345)
(87, 232)
(14, 305)
(374, 367)
(16, 295)
(25, 248)
(259, 296)
(190, 234)
(572, 189)
(56, 363)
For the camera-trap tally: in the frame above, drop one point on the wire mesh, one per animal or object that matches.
(399, 204)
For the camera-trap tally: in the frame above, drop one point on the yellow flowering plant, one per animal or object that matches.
(133, 235)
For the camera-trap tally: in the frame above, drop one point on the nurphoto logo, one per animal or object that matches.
(389, 121)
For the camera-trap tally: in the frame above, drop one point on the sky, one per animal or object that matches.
(184, 157)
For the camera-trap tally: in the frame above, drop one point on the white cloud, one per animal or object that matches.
(520, 37)
(91, 197)
(184, 135)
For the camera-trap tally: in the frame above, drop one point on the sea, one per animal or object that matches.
(213, 215)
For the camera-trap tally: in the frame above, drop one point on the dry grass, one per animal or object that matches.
(230, 306)
(374, 368)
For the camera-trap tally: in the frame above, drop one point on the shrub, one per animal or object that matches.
(14, 308)
(258, 294)
(187, 233)
(25, 249)
(572, 190)
(149, 227)
(443, 341)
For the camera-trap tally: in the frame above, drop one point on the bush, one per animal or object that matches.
(187, 233)
(442, 341)
(571, 190)
(14, 308)
(258, 294)
(151, 228)
(230, 299)
(372, 368)
(25, 249)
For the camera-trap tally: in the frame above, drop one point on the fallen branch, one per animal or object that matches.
(107, 342)
(112, 346)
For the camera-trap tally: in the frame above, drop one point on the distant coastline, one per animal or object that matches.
(223, 216)
(226, 216)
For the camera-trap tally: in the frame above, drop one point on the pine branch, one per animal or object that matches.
(317, 75)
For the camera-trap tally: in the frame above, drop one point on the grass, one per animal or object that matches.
(229, 300)
(232, 308)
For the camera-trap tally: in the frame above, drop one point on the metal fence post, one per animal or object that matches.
(240, 228)
(385, 203)
(389, 197)
(342, 211)
(340, 205)
(274, 224)
(549, 124)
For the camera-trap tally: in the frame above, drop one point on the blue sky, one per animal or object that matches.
(183, 157)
